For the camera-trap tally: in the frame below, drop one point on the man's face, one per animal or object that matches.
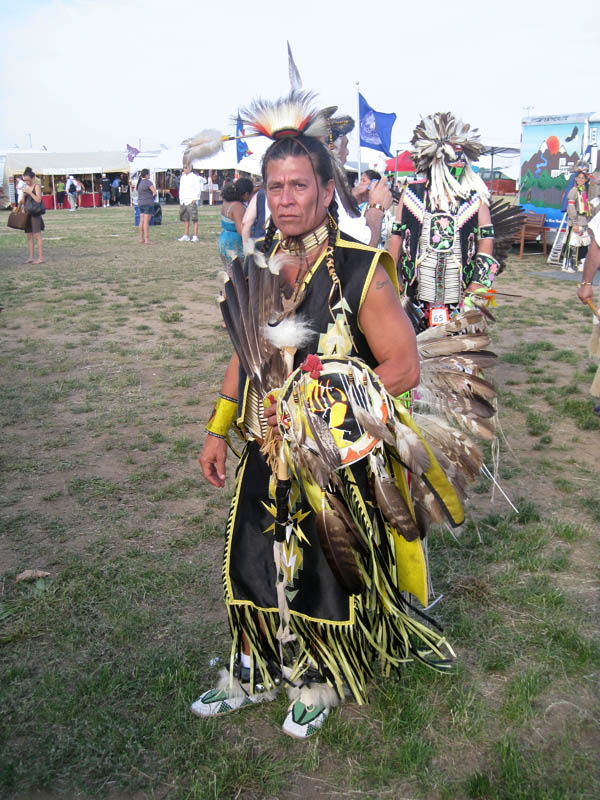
(297, 200)
(361, 190)
(187, 170)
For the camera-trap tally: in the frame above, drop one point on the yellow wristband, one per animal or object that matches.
(223, 417)
(376, 206)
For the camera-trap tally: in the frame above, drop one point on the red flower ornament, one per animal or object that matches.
(313, 365)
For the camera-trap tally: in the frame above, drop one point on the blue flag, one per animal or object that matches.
(241, 146)
(375, 127)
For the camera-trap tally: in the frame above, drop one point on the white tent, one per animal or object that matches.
(43, 162)
(172, 158)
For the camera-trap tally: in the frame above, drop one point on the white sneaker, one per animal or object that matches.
(195, 239)
(184, 238)
(309, 709)
(225, 698)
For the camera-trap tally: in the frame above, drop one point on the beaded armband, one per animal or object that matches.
(485, 270)
(223, 416)
(486, 232)
(398, 228)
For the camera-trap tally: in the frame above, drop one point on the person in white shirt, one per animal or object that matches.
(190, 187)
(19, 185)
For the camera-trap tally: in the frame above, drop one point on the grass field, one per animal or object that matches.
(112, 354)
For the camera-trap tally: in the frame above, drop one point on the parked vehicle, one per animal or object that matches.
(498, 182)
(551, 146)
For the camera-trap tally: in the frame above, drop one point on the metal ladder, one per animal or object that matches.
(554, 257)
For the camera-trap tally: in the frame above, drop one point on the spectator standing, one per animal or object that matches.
(255, 217)
(32, 192)
(203, 183)
(71, 188)
(190, 188)
(368, 181)
(79, 191)
(60, 192)
(235, 198)
(146, 194)
(105, 183)
(114, 191)
(19, 185)
(124, 191)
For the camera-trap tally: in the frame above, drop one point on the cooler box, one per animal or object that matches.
(155, 219)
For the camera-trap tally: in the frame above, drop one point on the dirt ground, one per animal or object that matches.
(113, 354)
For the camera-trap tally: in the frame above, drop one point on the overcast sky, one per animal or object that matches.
(97, 74)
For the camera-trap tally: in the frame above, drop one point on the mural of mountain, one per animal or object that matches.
(553, 162)
(544, 177)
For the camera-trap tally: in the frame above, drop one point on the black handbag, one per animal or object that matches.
(34, 207)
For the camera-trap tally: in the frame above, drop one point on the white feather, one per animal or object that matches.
(288, 333)
(314, 694)
(234, 688)
(276, 262)
(260, 260)
(249, 247)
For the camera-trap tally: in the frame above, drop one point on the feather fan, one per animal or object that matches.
(202, 145)
(507, 220)
(393, 506)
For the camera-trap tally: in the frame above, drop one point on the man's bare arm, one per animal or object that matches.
(390, 335)
(214, 453)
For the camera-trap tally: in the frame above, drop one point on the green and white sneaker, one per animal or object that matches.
(226, 697)
(309, 709)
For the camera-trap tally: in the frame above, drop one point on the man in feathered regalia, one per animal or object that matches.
(324, 536)
(443, 237)
(581, 206)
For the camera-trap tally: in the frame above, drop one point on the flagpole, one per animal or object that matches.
(358, 121)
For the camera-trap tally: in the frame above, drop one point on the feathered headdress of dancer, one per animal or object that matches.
(295, 115)
(439, 140)
(581, 166)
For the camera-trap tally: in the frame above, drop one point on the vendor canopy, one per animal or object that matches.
(226, 158)
(46, 163)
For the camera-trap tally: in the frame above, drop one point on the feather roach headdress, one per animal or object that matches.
(439, 140)
(296, 115)
(581, 166)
